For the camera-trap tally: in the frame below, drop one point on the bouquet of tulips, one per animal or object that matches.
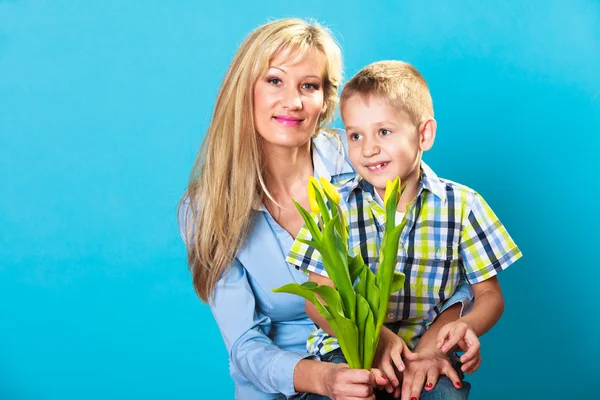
(357, 306)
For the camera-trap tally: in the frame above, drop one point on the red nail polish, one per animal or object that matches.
(413, 398)
(429, 385)
(459, 384)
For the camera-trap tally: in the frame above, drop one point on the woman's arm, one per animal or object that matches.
(271, 369)
(252, 353)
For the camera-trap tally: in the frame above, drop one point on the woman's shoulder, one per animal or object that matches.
(332, 146)
(332, 139)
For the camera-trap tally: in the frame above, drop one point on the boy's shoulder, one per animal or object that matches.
(445, 189)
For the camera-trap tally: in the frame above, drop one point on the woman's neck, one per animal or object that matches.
(287, 167)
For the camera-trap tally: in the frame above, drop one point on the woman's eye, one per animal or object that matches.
(310, 86)
(274, 81)
(385, 132)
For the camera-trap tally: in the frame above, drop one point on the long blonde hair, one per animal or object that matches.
(226, 183)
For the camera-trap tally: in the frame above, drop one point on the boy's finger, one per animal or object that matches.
(442, 336)
(471, 366)
(408, 354)
(397, 359)
(450, 343)
(472, 345)
(388, 371)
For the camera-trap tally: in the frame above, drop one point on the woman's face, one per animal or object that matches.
(289, 99)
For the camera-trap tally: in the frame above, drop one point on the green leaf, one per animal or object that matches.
(312, 244)
(372, 293)
(347, 334)
(335, 261)
(297, 289)
(397, 282)
(332, 297)
(355, 266)
(325, 214)
(309, 222)
(365, 331)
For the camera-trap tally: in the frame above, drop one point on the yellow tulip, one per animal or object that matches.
(389, 188)
(312, 200)
(331, 190)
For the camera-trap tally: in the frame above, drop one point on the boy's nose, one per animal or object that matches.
(370, 148)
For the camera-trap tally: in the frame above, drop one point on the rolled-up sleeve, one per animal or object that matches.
(463, 295)
(252, 353)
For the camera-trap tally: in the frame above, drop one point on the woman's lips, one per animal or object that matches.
(377, 167)
(287, 120)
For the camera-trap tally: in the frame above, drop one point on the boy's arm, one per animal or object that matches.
(428, 340)
(488, 306)
(310, 308)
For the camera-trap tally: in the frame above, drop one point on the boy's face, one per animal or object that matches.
(383, 143)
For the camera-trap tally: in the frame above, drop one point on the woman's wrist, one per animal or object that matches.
(311, 376)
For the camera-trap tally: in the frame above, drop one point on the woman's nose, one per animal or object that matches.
(291, 99)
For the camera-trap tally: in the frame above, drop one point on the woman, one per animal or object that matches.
(265, 140)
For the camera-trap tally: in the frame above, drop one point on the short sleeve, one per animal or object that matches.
(485, 246)
(303, 256)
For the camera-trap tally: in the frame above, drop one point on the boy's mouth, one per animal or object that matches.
(377, 167)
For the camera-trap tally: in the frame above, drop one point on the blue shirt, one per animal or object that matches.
(265, 333)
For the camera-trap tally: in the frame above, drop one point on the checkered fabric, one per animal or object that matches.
(451, 233)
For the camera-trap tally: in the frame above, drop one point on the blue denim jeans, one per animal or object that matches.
(443, 390)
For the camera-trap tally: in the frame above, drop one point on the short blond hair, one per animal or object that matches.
(398, 83)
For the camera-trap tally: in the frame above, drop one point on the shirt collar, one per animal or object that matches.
(431, 182)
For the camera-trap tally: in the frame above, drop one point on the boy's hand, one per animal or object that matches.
(390, 351)
(459, 333)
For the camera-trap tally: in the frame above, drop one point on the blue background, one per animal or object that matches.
(103, 105)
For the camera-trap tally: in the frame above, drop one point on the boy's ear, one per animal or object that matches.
(427, 134)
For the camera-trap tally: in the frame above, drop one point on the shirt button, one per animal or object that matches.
(391, 316)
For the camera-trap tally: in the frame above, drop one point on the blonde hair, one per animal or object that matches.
(398, 83)
(226, 183)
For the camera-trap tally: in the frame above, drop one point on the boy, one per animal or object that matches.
(451, 232)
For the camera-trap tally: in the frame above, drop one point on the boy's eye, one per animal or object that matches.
(355, 136)
(385, 132)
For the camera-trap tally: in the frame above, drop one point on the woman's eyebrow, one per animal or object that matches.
(285, 72)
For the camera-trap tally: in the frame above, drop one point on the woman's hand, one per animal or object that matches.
(343, 383)
(425, 371)
(459, 333)
(390, 351)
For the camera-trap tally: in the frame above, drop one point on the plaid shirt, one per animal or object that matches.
(451, 234)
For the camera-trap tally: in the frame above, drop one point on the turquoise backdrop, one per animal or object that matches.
(103, 105)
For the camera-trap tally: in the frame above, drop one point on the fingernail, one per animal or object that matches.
(413, 398)
(429, 385)
(459, 384)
